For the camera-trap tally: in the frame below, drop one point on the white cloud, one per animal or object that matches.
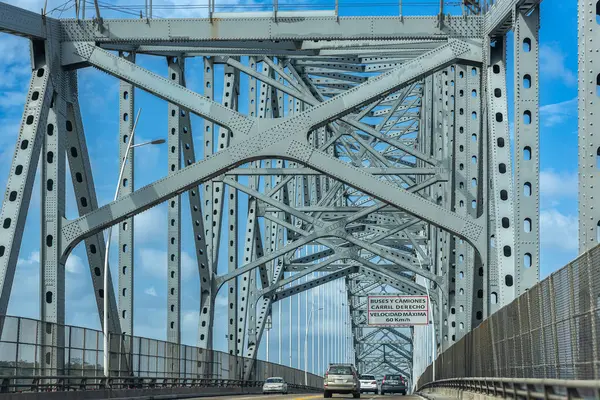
(74, 264)
(552, 65)
(559, 231)
(25, 294)
(32, 259)
(558, 184)
(554, 114)
(155, 263)
(34, 5)
(151, 226)
(150, 291)
(188, 264)
(12, 100)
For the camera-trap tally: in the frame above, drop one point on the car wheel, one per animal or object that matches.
(382, 393)
(356, 395)
(327, 394)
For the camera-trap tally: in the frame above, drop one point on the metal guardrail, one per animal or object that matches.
(135, 363)
(36, 384)
(549, 332)
(514, 388)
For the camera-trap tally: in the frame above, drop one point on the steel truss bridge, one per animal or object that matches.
(369, 150)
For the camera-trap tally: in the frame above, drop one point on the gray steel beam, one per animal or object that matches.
(589, 113)
(23, 168)
(498, 19)
(207, 291)
(299, 288)
(459, 295)
(52, 265)
(308, 171)
(501, 173)
(252, 242)
(169, 31)
(175, 134)
(196, 211)
(126, 228)
(21, 22)
(476, 174)
(527, 154)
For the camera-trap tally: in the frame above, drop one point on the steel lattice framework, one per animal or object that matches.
(373, 149)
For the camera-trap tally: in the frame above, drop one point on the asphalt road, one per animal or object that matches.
(312, 397)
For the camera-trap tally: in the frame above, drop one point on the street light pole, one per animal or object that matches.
(130, 145)
(306, 346)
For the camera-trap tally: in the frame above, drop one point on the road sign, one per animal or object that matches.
(397, 310)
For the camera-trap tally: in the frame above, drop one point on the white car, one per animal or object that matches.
(368, 383)
(275, 385)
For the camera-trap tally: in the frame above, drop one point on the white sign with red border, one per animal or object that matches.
(397, 310)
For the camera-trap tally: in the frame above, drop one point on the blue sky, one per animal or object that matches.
(558, 97)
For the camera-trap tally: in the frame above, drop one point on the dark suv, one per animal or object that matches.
(393, 384)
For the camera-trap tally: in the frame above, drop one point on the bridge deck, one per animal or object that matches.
(315, 396)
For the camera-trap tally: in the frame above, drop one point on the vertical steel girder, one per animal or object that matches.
(527, 150)
(196, 210)
(177, 129)
(23, 168)
(589, 144)
(207, 296)
(250, 240)
(52, 271)
(230, 99)
(463, 202)
(476, 174)
(501, 196)
(126, 186)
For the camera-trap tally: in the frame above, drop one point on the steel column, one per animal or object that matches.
(527, 150)
(126, 227)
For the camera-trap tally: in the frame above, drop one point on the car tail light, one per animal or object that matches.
(374, 383)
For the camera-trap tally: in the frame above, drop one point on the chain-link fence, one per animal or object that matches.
(550, 331)
(22, 352)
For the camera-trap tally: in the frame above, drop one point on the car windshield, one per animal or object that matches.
(340, 370)
(393, 377)
(274, 380)
(367, 377)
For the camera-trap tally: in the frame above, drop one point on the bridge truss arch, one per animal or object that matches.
(369, 150)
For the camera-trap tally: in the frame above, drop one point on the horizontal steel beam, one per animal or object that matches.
(499, 18)
(166, 31)
(308, 171)
(21, 22)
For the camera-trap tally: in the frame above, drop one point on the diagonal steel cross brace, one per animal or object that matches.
(286, 138)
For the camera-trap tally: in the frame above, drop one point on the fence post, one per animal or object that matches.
(592, 313)
(553, 318)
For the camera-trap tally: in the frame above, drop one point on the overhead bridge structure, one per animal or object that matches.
(317, 154)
